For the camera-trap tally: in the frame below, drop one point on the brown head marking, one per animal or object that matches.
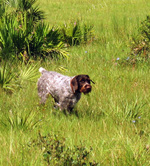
(81, 83)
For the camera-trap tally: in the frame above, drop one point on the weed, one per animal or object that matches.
(55, 151)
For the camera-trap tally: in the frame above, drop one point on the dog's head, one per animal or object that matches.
(81, 83)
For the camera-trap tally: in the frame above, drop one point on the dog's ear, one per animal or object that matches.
(90, 79)
(74, 84)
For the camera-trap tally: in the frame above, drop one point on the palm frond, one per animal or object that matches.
(28, 73)
(23, 120)
(6, 77)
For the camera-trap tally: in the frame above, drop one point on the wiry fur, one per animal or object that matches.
(60, 88)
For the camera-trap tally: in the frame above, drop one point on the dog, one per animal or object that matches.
(65, 90)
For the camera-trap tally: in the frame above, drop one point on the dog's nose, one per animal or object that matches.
(88, 86)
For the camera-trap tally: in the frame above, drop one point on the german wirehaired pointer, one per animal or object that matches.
(65, 90)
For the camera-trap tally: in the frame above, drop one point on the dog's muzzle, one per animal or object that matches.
(86, 88)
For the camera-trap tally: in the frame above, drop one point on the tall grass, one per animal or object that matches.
(113, 119)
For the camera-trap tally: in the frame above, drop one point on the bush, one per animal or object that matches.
(55, 152)
(19, 120)
(141, 43)
(76, 33)
(25, 40)
(13, 78)
(140, 46)
(24, 35)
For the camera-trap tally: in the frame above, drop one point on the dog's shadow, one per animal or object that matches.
(57, 111)
(70, 113)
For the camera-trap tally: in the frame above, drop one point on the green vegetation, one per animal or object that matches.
(110, 126)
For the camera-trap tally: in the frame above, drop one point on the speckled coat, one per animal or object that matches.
(58, 86)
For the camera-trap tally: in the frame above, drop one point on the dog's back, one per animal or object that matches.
(54, 83)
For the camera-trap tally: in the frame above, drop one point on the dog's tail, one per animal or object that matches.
(41, 70)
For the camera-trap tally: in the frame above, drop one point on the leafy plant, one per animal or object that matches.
(2, 8)
(6, 77)
(12, 35)
(140, 47)
(27, 7)
(23, 34)
(76, 33)
(141, 42)
(55, 151)
(27, 72)
(23, 120)
(45, 41)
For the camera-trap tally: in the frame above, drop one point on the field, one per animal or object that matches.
(114, 119)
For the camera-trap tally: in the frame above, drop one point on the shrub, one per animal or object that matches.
(12, 36)
(25, 40)
(76, 33)
(55, 152)
(26, 73)
(12, 78)
(140, 46)
(27, 7)
(19, 120)
(141, 42)
(2, 8)
(24, 35)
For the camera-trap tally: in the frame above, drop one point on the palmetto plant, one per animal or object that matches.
(6, 77)
(2, 8)
(27, 72)
(10, 79)
(76, 33)
(27, 7)
(12, 36)
(22, 120)
(22, 30)
(45, 41)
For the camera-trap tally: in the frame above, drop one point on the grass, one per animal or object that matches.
(113, 119)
